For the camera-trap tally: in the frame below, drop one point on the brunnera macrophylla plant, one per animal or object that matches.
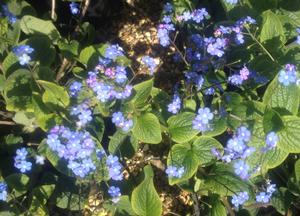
(75, 113)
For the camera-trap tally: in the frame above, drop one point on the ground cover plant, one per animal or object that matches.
(85, 133)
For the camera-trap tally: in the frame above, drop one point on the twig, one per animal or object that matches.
(228, 207)
(7, 123)
(180, 53)
(196, 204)
(85, 7)
(53, 9)
(61, 70)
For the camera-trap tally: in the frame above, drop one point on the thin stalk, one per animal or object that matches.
(228, 207)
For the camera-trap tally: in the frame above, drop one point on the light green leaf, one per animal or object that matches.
(142, 92)
(89, 56)
(289, 136)
(282, 97)
(202, 147)
(17, 91)
(297, 170)
(147, 129)
(180, 127)
(33, 25)
(217, 208)
(182, 155)
(272, 29)
(54, 94)
(145, 200)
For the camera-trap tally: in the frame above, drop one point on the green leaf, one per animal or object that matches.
(19, 183)
(181, 127)
(145, 200)
(218, 126)
(282, 97)
(221, 180)
(54, 94)
(182, 155)
(202, 147)
(69, 49)
(272, 32)
(70, 201)
(289, 136)
(217, 208)
(122, 143)
(297, 170)
(272, 121)
(90, 55)
(17, 91)
(142, 92)
(12, 139)
(40, 196)
(147, 129)
(33, 25)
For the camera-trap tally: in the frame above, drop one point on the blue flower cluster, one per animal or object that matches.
(22, 52)
(288, 75)
(197, 16)
(175, 105)
(74, 88)
(115, 193)
(3, 191)
(20, 160)
(150, 63)
(76, 147)
(175, 172)
(6, 13)
(113, 51)
(120, 121)
(238, 79)
(194, 78)
(84, 114)
(114, 168)
(240, 199)
(265, 196)
(202, 120)
(74, 7)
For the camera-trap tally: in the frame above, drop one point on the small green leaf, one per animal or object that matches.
(33, 25)
(282, 97)
(183, 156)
(202, 147)
(54, 94)
(217, 208)
(142, 92)
(181, 127)
(90, 55)
(147, 129)
(297, 170)
(69, 49)
(145, 200)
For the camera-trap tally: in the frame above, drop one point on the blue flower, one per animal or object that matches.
(198, 15)
(23, 166)
(235, 79)
(115, 193)
(272, 140)
(114, 168)
(11, 18)
(241, 169)
(240, 199)
(75, 87)
(209, 91)
(174, 107)
(113, 51)
(174, 172)
(216, 47)
(243, 134)
(168, 8)
(22, 52)
(3, 191)
(40, 159)
(288, 75)
(262, 197)
(74, 7)
(202, 120)
(147, 60)
(120, 121)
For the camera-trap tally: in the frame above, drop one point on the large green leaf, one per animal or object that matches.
(54, 94)
(142, 92)
(183, 156)
(145, 200)
(221, 180)
(272, 32)
(181, 127)
(33, 25)
(147, 129)
(289, 136)
(17, 91)
(282, 97)
(202, 147)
